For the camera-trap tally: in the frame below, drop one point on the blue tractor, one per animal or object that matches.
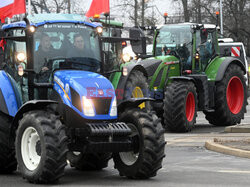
(56, 105)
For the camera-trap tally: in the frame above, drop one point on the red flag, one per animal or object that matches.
(8, 8)
(2, 43)
(98, 7)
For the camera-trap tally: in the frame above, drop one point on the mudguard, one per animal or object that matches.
(123, 80)
(28, 106)
(216, 69)
(31, 105)
(132, 102)
(225, 64)
(9, 95)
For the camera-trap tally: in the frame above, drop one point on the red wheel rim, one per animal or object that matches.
(190, 106)
(235, 95)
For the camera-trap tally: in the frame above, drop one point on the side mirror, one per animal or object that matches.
(138, 41)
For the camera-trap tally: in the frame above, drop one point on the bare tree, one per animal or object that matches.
(57, 6)
(185, 9)
(236, 14)
(141, 12)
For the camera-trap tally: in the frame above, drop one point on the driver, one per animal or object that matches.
(45, 51)
(205, 48)
(79, 49)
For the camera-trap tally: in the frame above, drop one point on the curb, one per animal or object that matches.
(238, 129)
(211, 145)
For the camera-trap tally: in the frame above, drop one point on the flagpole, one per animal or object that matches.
(221, 18)
(29, 7)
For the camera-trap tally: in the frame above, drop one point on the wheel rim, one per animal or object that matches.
(31, 148)
(235, 95)
(129, 158)
(137, 93)
(190, 106)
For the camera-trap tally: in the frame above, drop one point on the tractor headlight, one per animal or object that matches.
(21, 57)
(32, 29)
(88, 108)
(126, 57)
(99, 30)
(113, 111)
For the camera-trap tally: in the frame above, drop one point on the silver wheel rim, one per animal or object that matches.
(129, 158)
(76, 153)
(30, 138)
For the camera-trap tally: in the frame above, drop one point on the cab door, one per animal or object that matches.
(206, 47)
(14, 63)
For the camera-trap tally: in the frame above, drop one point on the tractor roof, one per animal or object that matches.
(205, 26)
(175, 25)
(41, 19)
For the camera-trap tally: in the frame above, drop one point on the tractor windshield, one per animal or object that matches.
(174, 40)
(58, 45)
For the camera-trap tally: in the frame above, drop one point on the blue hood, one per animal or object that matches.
(69, 83)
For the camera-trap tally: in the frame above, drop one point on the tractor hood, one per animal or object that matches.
(73, 85)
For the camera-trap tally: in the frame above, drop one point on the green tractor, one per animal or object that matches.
(185, 73)
(192, 76)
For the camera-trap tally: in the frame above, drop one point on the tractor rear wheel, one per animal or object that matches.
(8, 162)
(88, 161)
(149, 144)
(180, 106)
(41, 147)
(137, 87)
(230, 98)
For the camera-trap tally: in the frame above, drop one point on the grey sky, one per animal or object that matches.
(169, 6)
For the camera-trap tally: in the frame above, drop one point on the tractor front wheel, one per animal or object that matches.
(180, 106)
(148, 142)
(41, 147)
(230, 98)
(137, 87)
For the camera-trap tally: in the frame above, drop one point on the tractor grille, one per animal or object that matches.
(102, 105)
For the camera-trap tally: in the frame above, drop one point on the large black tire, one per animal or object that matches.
(8, 162)
(180, 106)
(149, 143)
(89, 161)
(137, 87)
(225, 115)
(41, 134)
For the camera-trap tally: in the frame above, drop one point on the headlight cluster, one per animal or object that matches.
(88, 107)
(113, 111)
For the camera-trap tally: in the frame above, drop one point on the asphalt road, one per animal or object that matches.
(187, 163)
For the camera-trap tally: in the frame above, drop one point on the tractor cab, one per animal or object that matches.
(37, 48)
(193, 45)
(205, 45)
(175, 40)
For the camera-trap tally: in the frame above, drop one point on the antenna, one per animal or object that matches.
(165, 15)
